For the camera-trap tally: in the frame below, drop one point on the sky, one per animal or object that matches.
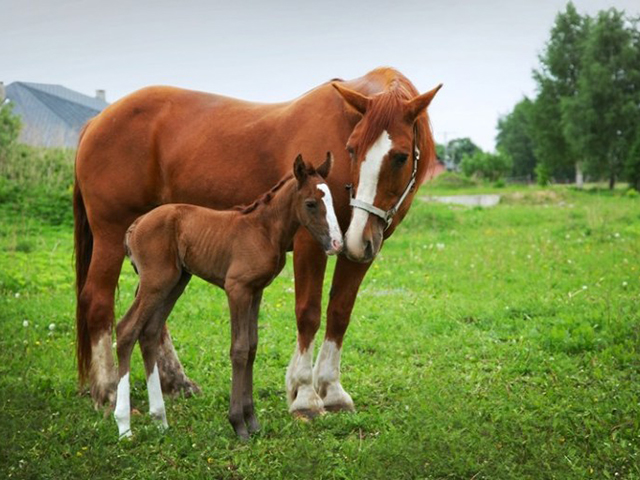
(271, 51)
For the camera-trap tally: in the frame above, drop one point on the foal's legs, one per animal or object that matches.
(309, 263)
(240, 305)
(149, 340)
(347, 278)
(127, 332)
(247, 402)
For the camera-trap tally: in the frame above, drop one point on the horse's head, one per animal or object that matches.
(384, 148)
(314, 204)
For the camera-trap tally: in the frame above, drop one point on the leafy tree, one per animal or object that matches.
(440, 151)
(601, 119)
(632, 164)
(489, 166)
(561, 64)
(514, 138)
(459, 147)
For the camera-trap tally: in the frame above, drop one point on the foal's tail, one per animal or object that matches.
(83, 239)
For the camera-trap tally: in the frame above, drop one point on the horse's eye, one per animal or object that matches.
(399, 159)
(311, 204)
(351, 152)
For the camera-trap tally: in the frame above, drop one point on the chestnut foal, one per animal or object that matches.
(241, 251)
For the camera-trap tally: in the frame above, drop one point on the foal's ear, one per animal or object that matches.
(300, 169)
(358, 101)
(324, 169)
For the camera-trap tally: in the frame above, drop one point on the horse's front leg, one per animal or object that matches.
(240, 302)
(347, 278)
(309, 266)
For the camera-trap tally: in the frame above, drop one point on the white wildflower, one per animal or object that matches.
(52, 327)
(25, 323)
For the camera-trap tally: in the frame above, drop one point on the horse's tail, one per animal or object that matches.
(83, 239)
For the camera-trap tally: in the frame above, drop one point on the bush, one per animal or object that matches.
(490, 166)
(34, 182)
(543, 174)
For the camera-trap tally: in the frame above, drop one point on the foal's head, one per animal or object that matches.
(314, 204)
(384, 147)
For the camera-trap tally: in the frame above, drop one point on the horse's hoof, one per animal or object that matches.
(306, 414)
(186, 388)
(103, 396)
(340, 407)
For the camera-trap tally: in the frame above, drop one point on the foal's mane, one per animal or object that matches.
(263, 199)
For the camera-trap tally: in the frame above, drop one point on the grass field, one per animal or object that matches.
(501, 343)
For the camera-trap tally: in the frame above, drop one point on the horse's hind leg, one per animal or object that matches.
(95, 303)
(149, 341)
(172, 377)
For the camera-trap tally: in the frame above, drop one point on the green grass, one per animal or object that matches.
(501, 343)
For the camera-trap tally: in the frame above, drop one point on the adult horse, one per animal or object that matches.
(166, 145)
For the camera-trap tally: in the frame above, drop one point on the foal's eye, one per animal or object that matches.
(400, 159)
(311, 204)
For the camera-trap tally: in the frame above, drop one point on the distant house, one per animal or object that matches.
(52, 115)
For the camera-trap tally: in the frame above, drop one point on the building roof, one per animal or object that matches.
(52, 115)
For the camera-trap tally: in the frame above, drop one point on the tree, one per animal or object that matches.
(459, 147)
(514, 139)
(632, 164)
(561, 64)
(486, 165)
(601, 119)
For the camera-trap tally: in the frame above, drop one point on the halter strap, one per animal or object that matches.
(387, 215)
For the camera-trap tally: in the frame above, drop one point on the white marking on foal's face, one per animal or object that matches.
(367, 189)
(334, 228)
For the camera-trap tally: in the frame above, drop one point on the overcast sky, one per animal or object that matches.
(483, 51)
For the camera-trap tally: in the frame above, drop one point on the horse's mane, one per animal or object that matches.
(263, 199)
(381, 111)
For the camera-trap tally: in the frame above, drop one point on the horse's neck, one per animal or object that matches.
(278, 216)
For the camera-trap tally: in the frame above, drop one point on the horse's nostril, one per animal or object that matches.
(368, 249)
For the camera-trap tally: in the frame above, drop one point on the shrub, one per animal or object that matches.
(543, 174)
(490, 166)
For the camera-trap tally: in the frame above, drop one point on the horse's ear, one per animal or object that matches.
(324, 169)
(358, 101)
(420, 103)
(300, 169)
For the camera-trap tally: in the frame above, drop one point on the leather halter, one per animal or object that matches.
(387, 215)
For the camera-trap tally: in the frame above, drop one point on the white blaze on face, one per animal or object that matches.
(332, 221)
(367, 189)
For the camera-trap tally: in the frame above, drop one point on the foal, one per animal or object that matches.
(241, 251)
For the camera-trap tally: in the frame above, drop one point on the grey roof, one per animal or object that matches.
(52, 115)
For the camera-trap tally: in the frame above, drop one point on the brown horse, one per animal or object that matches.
(241, 251)
(165, 145)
